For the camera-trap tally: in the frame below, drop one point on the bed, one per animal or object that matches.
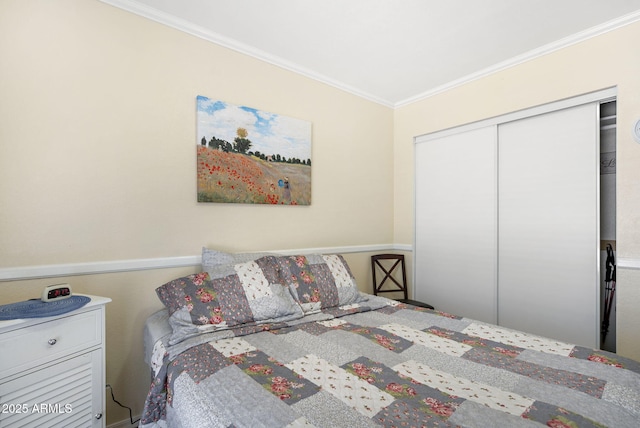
(288, 341)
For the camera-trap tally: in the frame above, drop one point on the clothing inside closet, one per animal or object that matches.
(608, 223)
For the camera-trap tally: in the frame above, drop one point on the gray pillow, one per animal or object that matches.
(319, 281)
(228, 296)
(213, 258)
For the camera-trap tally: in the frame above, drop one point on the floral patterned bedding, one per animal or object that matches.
(379, 363)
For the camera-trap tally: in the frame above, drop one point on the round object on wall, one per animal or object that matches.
(636, 131)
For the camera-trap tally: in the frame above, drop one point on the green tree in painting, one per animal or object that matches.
(242, 143)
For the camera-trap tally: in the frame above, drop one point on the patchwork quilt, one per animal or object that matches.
(380, 363)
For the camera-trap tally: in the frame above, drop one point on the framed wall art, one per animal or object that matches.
(250, 156)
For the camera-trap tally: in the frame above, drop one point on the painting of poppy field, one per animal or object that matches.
(249, 156)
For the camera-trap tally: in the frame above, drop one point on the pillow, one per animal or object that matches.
(213, 258)
(196, 300)
(319, 281)
(229, 296)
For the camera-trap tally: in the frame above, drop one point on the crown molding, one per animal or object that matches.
(203, 33)
(528, 56)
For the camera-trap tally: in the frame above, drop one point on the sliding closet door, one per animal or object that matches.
(548, 224)
(455, 243)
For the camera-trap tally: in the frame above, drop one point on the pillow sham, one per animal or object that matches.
(228, 296)
(213, 258)
(319, 281)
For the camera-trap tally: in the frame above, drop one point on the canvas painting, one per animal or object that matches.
(250, 156)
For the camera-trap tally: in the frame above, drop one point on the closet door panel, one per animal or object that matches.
(455, 244)
(548, 225)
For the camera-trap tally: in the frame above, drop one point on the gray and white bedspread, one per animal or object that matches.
(381, 364)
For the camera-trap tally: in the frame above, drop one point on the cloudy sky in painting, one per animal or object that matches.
(269, 133)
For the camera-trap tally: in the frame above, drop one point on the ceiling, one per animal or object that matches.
(391, 51)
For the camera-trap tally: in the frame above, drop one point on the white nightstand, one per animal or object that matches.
(52, 370)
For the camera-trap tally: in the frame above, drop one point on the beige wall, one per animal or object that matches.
(98, 142)
(608, 60)
(97, 156)
(97, 161)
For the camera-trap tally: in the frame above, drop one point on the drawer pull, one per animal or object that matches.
(52, 342)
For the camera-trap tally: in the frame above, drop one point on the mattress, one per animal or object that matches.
(156, 328)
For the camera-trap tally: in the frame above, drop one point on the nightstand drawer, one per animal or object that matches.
(40, 343)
